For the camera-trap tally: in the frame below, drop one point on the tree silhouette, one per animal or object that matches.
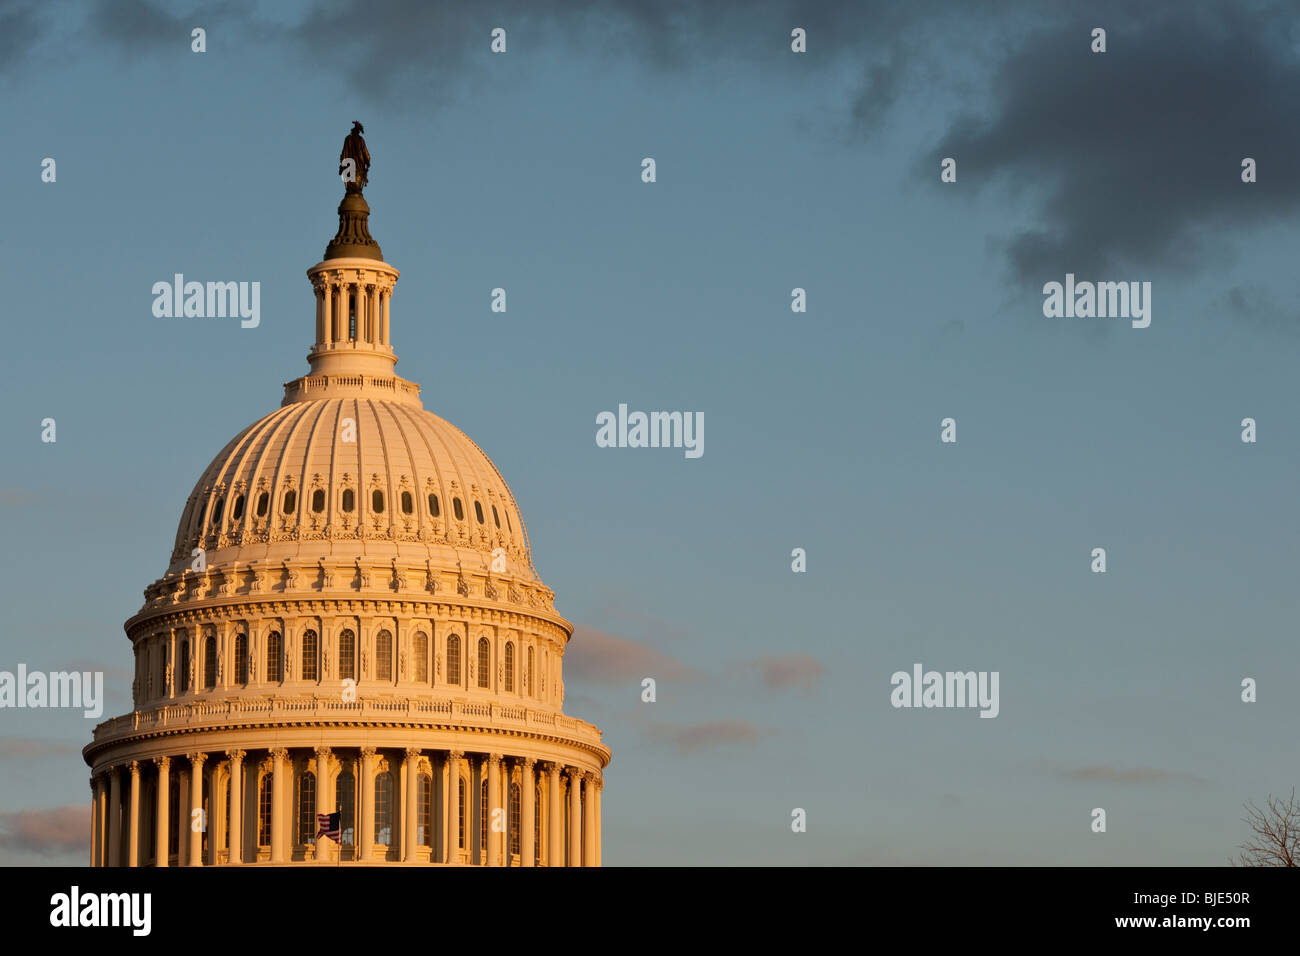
(1275, 833)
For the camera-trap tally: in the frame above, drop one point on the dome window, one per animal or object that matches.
(349, 500)
(455, 506)
(216, 512)
(377, 501)
(496, 518)
(408, 503)
(318, 500)
(434, 510)
(290, 502)
(478, 512)
(509, 527)
(237, 512)
(263, 502)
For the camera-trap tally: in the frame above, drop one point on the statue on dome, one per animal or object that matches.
(354, 160)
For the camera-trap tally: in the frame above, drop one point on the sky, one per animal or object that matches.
(775, 170)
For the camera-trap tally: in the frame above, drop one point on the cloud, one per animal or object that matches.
(1101, 773)
(602, 658)
(1132, 158)
(23, 748)
(16, 497)
(790, 670)
(689, 738)
(54, 831)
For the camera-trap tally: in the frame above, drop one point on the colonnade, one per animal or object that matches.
(397, 805)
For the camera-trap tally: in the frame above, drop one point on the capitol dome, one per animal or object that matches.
(350, 657)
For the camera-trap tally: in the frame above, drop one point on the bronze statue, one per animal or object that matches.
(354, 148)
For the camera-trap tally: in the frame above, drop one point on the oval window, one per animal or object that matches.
(318, 501)
(455, 506)
(433, 505)
(263, 500)
(237, 512)
(496, 518)
(216, 511)
(349, 500)
(478, 512)
(377, 501)
(290, 502)
(408, 503)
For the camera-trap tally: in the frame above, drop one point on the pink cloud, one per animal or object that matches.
(603, 658)
(688, 738)
(790, 670)
(54, 831)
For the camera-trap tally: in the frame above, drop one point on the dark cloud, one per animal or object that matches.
(20, 28)
(54, 831)
(1132, 158)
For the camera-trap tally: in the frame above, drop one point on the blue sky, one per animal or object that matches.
(775, 171)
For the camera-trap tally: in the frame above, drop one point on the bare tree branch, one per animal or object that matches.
(1275, 833)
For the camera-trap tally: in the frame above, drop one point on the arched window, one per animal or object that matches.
(216, 512)
(377, 501)
(274, 657)
(496, 518)
(318, 500)
(433, 506)
(483, 818)
(174, 816)
(483, 662)
(384, 809)
(264, 810)
(460, 838)
(237, 512)
(290, 502)
(163, 656)
(420, 648)
(424, 835)
(185, 663)
(478, 512)
(510, 667)
(347, 655)
(241, 658)
(384, 656)
(310, 650)
(307, 807)
(453, 660)
(349, 500)
(209, 662)
(408, 503)
(345, 801)
(455, 506)
(263, 500)
(528, 674)
(514, 818)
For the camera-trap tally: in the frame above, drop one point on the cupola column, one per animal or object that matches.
(162, 836)
(451, 841)
(196, 806)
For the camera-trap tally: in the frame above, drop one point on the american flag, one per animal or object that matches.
(328, 826)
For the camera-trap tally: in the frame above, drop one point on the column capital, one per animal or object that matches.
(162, 763)
(552, 767)
(494, 759)
(455, 754)
(280, 753)
(323, 752)
(367, 751)
(236, 756)
(197, 758)
(413, 753)
(134, 767)
(573, 772)
(528, 763)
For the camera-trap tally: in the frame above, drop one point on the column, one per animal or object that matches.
(388, 296)
(553, 799)
(195, 857)
(410, 818)
(95, 831)
(494, 804)
(575, 818)
(327, 302)
(452, 839)
(133, 830)
(114, 822)
(235, 848)
(366, 805)
(279, 797)
(162, 823)
(320, 313)
(527, 801)
(324, 798)
(588, 819)
(600, 785)
(372, 315)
